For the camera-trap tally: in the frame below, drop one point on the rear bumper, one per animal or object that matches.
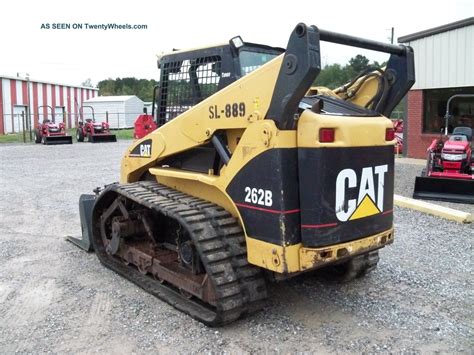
(311, 258)
(294, 259)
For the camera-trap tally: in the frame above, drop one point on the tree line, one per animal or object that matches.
(331, 76)
(142, 88)
(334, 75)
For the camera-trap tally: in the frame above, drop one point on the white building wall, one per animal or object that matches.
(445, 59)
(133, 108)
(102, 109)
(121, 113)
(7, 106)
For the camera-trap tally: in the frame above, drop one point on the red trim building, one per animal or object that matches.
(25, 102)
(444, 66)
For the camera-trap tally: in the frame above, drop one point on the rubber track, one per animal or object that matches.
(251, 278)
(219, 240)
(360, 265)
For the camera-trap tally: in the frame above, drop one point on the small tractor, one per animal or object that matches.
(252, 177)
(92, 131)
(398, 127)
(449, 172)
(50, 132)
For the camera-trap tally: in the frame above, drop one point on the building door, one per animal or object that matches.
(19, 115)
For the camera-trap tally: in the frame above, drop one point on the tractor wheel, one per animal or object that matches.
(79, 135)
(90, 139)
(37, 136)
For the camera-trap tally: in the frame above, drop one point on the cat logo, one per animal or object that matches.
(142, 150)
(370, 194)
(145, 150)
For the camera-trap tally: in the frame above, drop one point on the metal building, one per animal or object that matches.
(119, 111)
(25, 102)
(444, 66)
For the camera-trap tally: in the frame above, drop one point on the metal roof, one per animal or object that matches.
(44, 82)
(111, 98)
(436, 30)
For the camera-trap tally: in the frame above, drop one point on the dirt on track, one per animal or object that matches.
(56, 298)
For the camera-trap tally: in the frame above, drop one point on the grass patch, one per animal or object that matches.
(14, 138)
(119, 133)
(18, 137)
(123, 133)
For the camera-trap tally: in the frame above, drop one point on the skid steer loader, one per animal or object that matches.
(263, 180)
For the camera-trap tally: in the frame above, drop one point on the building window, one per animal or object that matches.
(461, 109)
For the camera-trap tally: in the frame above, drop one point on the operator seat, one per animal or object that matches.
(463, 131)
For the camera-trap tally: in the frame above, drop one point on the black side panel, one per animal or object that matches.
(266, 194)
(199, 159)
(345, 193)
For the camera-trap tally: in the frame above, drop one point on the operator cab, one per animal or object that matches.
(188, 77)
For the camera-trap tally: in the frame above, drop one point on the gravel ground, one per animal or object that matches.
(57, 298)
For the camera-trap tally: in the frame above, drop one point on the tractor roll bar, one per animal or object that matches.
(359, 42)
(52, 112)
(447, 115)
(81, 112)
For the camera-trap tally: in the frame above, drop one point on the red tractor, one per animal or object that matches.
(144, 124)
(449, 172)
(50, 132)
(92, 131)
(398, 127)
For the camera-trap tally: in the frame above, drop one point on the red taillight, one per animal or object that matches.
(326, 135)
(389, 134)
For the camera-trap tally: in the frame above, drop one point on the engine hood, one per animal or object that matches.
(456, 146)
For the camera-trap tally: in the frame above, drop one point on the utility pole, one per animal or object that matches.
(392, 34)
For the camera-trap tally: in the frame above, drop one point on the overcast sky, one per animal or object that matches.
(72, 55)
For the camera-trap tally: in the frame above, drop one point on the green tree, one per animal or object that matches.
(142, 88)
(332, 76)
(335, 75)
(358, 64)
